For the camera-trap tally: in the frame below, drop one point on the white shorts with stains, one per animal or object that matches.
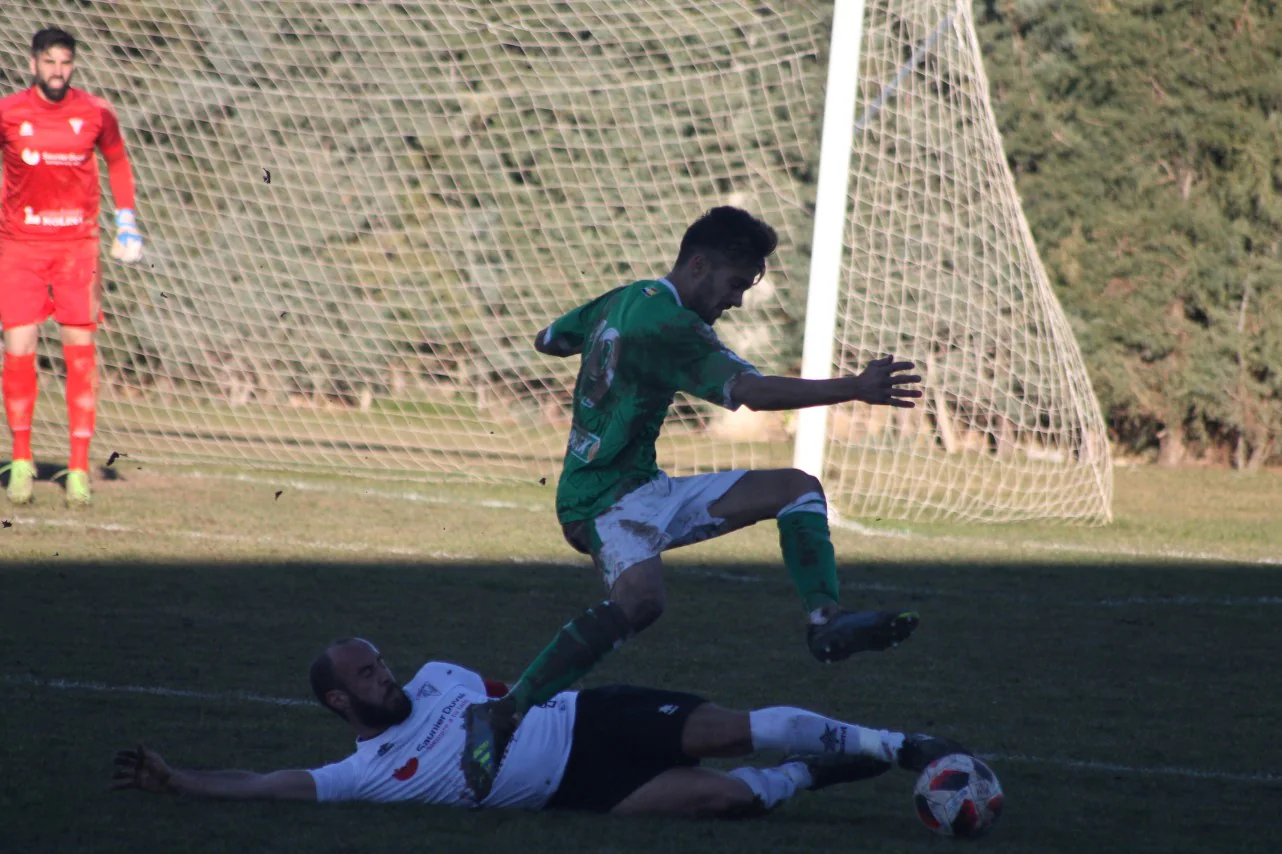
(665, 513)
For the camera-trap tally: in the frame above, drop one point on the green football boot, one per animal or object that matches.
(22, 475)
(77, 487)
(489, 728)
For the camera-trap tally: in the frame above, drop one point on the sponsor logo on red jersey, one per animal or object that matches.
(60, 219)
(62, 158)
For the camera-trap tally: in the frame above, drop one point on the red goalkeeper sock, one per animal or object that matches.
(19, 381)
(82, 400)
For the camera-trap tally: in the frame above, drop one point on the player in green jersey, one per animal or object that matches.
(640, 345)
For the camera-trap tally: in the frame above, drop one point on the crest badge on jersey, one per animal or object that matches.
(25, 129)
(649, 290)
(77, 124)
(583, 444)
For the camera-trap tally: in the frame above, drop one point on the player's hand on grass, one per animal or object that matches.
(127, 247)
(882, 383)
(140, 768)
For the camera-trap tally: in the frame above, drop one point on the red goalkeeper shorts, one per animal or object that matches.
(59, 279)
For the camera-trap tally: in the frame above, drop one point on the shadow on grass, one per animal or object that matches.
(46, 470)
(1124, 664)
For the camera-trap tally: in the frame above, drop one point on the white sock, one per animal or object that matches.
(799, 731)
(773, 786)
(818, 617)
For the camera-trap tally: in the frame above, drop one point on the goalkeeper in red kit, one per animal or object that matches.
(49, 246)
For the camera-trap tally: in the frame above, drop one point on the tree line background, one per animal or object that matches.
(1146, 143)
(1145, 139)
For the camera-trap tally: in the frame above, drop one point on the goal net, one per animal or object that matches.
(358, 214)
(940, 267)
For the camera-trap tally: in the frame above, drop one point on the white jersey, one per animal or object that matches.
(419, 759)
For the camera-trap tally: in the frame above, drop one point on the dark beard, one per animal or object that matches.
(371, 715)
(54, 95)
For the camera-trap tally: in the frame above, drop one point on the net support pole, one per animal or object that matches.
(830, 223)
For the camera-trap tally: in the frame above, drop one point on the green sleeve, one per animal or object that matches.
(565, 335)
(699, 364)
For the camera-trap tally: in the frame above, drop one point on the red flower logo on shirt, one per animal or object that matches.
(407, 770)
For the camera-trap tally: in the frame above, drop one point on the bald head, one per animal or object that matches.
(323, 677)
(351, 679)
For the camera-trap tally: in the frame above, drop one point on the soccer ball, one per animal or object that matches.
(958, 795)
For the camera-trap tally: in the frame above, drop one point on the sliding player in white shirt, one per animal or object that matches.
(618, 749)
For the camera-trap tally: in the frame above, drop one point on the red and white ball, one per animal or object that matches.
(958, 795)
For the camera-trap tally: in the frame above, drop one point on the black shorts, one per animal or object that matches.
(624, 737)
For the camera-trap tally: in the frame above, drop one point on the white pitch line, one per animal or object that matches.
(266, 540)
(394, 495)
(291, 702)
(1225, 601)
(1117, 768)
(155, 691)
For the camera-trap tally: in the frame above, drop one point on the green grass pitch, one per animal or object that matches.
(1125, 680)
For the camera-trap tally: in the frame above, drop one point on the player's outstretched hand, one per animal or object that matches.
(140, 768)
(882, 383)
(127, 247)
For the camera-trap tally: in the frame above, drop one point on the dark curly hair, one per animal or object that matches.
(52, 37)
(733, 234)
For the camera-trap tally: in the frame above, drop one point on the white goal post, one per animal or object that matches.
(938, 266)
(358, 214)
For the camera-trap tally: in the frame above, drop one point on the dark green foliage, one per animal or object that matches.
(436, 196)
(1146, 141)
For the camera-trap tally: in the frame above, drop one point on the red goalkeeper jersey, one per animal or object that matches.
(50, 176)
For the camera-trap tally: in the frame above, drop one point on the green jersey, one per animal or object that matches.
(640, 347)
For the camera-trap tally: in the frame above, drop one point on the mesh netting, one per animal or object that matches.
(358, 215)
(941, 268)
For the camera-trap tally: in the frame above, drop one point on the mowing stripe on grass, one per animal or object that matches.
(679, 569)
(250, 697)
(1038, 545)
(845, 524)
(1114, 602)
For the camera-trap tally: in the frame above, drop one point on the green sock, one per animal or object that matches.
(574, 651)
(808, 554)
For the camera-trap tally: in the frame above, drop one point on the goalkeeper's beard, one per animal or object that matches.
(377, 715)
(54, 95)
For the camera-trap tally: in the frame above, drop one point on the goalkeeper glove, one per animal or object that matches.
(128, 245)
